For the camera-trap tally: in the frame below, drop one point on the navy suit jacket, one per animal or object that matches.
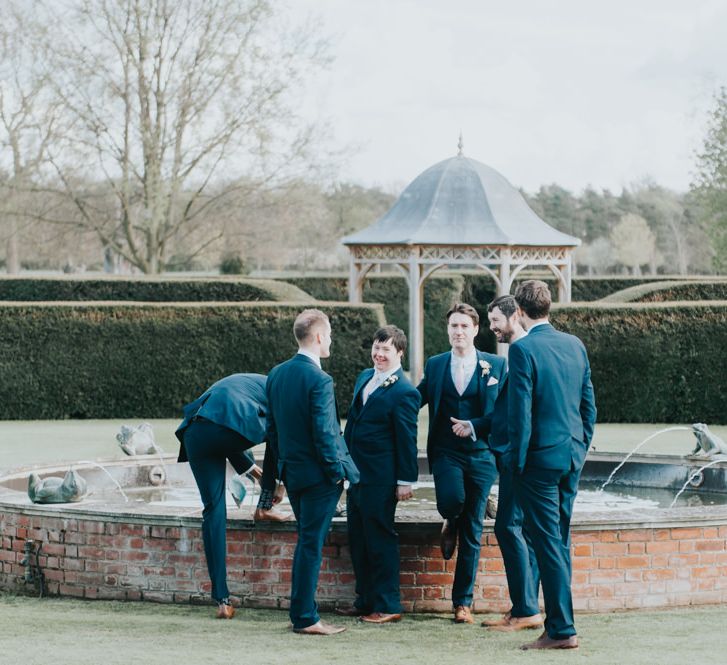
(552, 410)
(303, 426)
(237, 402)
(432, 385)
(382, 434)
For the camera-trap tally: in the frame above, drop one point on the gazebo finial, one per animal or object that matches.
(460, 145)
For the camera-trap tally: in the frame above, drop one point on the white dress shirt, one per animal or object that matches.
(316, 359)
(469, 362)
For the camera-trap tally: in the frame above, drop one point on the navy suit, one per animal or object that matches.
(382, 438)
(304, 431)
(463, 469)
(222, 424)
(552, 414)
(518, 555)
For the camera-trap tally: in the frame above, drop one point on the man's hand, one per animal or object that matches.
(279, 494)
(404, 492)
(461, 428)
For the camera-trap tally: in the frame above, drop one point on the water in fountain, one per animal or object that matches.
(693, 476)
(646, 440)
(105, 470)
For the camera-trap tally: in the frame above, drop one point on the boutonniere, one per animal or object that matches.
(390, 381)
(485, 367)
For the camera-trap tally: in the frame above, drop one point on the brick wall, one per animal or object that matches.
(614, 567)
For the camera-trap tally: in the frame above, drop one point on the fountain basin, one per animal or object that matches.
(104, 547)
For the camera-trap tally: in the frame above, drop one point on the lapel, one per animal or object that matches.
(361, 382)
(381, 390)
(439, 377)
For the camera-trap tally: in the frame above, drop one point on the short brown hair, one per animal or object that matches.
(506, 304)
(396, 335)
(533, 297)
(464, 308)
(306, 322)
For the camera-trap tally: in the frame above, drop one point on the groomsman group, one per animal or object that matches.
(532, 425)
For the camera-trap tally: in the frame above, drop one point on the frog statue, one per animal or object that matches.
(137, 440)
(69, 489)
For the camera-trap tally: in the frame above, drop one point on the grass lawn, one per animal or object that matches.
(41, 441)
(75, 632)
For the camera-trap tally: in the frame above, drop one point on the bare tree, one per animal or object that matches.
(169, 103)
(634, 243)
(28, 123)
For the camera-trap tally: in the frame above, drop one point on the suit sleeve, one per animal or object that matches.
(483, 424)
(423, 387)
(588, 404)
(405, 436)
(270, 462)
(326, 429)
(520, 405)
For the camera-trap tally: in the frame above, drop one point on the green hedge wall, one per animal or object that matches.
(121, 360)
(440, 291)
(147, 289)
(660, 362)
(689, 290)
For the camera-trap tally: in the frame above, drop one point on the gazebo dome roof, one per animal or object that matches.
(460, 201)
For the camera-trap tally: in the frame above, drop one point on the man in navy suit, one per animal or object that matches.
(305, 433)
(381, 434)
(223, 424)
(515, 543)
(552, 413)
(460, 388)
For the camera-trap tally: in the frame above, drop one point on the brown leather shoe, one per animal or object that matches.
(351, 611)
(463, 614)
(225, 611)
(448, 541)
(380, 617)
(545, 642)
(502, 621)
(512, 624)
(320, 628)
(271, 515)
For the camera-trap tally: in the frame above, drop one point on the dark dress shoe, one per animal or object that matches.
(545, 642)
(380, 617)
(320, 628)
(352, 611)
(225, 611)
(448, 542)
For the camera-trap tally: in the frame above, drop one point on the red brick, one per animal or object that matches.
(632, 562)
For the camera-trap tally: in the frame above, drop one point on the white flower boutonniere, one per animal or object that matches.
(485, 367)
(390, 381)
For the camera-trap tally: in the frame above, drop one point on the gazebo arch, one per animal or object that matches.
(458, 212)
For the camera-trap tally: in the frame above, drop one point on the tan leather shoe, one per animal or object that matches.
(225, 611)
(512, 624)
(448, 541)
(320, 628)
(380, 617)
(463, 614)
(488, 623)
(271, 515)
(545, 642)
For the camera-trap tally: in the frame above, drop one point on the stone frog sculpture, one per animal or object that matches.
(137, 440)
(708, 444)
(69, 489)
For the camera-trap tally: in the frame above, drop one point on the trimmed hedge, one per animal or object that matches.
(121, 360)
(714, 289)
(654, 363)
(440, 292)
(146, 289)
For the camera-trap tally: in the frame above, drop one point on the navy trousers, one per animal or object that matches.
(521, 566)
(547, 497)
(374, 544)
(208, 447)
(313, 508)
(462, 483)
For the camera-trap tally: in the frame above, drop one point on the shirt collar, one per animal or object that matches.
(382, 376)
(539, 323)
(469, 360)
(316, 359)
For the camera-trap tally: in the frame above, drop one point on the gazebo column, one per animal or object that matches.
(503, 288)
(564, 285)
(355, 283)
(416, 318)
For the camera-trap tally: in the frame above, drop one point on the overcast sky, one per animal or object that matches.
(575, 92)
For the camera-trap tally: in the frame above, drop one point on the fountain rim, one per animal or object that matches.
(645, 518)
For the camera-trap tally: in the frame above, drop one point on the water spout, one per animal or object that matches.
(694, 475)
(105, 470)
(646, 440)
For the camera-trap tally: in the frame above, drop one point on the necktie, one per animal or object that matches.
(371, 386)
(459, 377)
